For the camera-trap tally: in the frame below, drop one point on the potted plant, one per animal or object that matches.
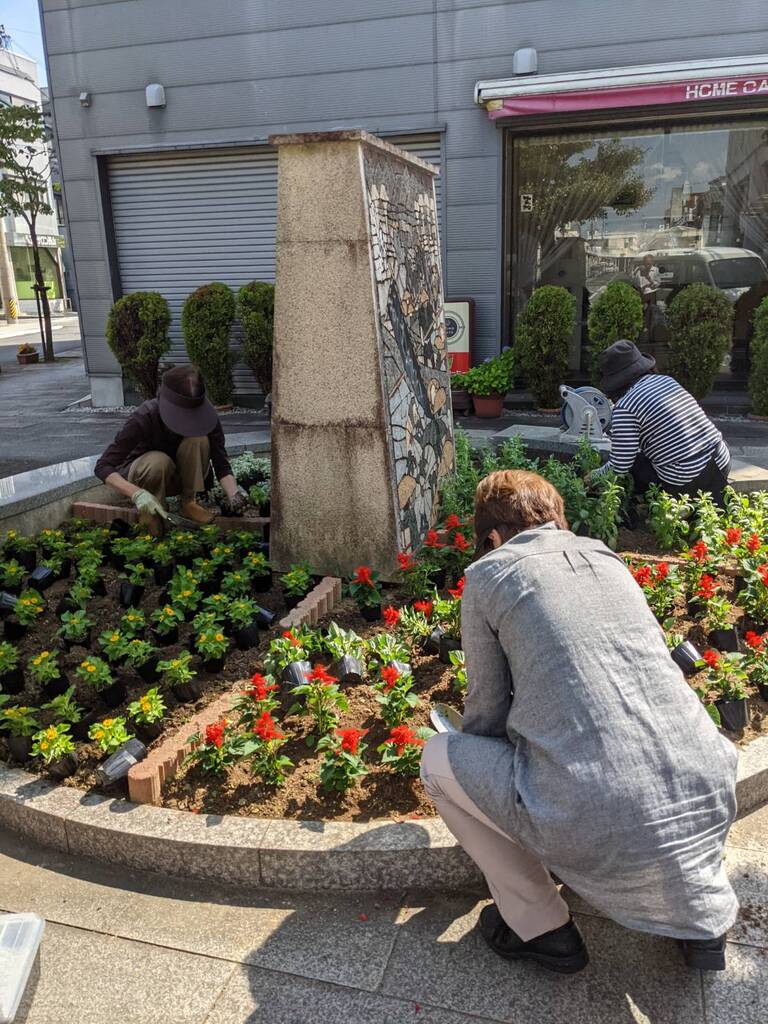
(348, 652)
(162, 558)
(27, 354)
(661, 585)
(257, 698)
(323, 700)
(96, 673)
(215, 749)
(401, 750)
(393, 694)
(236, 583)
(22, 548)
(45, 669)
(184, 546)
(386, 649)
(28, 607)
(11, 673)
(342, 763)
(684, 653)
(297, 583)
(242, 615)
(414, 625)
(56, 749)
(716, 611)
(258, 497)
(461, 400)
(12, 575)
(147, 713)
(20, 722)
(257, 565)
(754, 599)
(142, 657)
(109, 734)
(448, 614)
(75, 629)
(65, 708)
(180, 677)
(133, 585)
(262, 749)
(112, 644)
(366, 593)
(726, 674)
(417, 575)
(223, 556)
(287, 658)
(133, 623)
(165, 625)
(216, 605)
(212, 646)
(184, 595)
(488, 383)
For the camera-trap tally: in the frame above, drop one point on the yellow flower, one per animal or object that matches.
(11, 534)
(99, 734)
(168, 610)
(45, 654)
(219, 637)
(84, 664)
(44, 744)
(90, 668)
(115, 637)
(186, 593)
(51, 733)
(175, 663)
(107, 722)
(144, 703)
(203, 638)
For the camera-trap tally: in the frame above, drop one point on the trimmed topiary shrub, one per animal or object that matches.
(700, 324)
(543, 332)
(206, 320)
(137, 333)
(256, 312)
(758, 373)
(616, 313)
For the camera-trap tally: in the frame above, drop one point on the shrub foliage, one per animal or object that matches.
(256, 312)
(543, 332)
(699, 320)
(758, 374)
(206, 321)
(137, 333)
(616, 314)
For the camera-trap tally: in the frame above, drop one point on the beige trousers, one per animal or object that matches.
(159, 474)
(527, 898)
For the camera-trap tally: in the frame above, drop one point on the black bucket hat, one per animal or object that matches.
(184, 407)
(622, 364)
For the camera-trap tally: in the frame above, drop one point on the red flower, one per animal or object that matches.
(699, 552)
(458, 591)
(452, 522)
(712, 658)
(290, 635)
(266, 728)
(319, 675)
(643, 575)
(402, 736)
(753, 543)
(732, 536)
(662, 571)
(432, 539)
(460, 542)
(363, 576)
(763, 573)
(424, 607)
(707, 588)
(390, 674)
(214, 734)
(406, 562)
(350, 739)
(260, 687)
(391, 616)
(754, 640)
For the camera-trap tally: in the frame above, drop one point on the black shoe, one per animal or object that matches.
(704, 954)
(562, 950)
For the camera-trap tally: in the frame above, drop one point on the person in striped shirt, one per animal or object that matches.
(659, 432)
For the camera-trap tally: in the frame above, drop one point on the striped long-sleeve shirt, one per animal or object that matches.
(660, 420)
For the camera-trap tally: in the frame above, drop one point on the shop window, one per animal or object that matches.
(24, 271)
(591, 208)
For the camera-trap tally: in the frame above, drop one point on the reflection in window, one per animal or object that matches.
(659, 209)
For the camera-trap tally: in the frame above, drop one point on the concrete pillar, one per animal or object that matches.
(361, 416)
(7, 278)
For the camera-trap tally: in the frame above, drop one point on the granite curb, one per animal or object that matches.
(273, 853)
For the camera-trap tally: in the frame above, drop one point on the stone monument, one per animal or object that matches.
(362, 431)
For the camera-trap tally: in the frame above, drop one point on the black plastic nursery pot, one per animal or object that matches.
(685, 656)
(438, 578)
(448, 644)
(83, 642)
(114, 694)
(247, 637)
(431, 643)
(724, 639)
(117, 765)
(13, 589)
(762, 689)
(148, 732)
(370, 612)
(131, 594)
(163, 574)
(185, 693)
(119, 527)
(734, 714)
(261, 584)
(66, 569)
(348, 670)
(213, 666)
(80, 729)
(41, 578)
(99, 587)
(14, 630)
(64, 767)
(12, 682)
(55, 687)
(66, 604)
(296, 672)
(26, 558)
(7, 603)
(19, 747)
(166, 639)
(264, 617)
(148, 671)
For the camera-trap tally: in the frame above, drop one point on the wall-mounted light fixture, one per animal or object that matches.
(85, 99)
(525, 61)
(155, 94)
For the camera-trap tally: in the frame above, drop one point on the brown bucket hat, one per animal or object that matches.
(184, 407)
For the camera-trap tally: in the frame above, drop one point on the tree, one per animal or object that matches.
(137, 333)
(758, 374)
(616, 314)
(543, 331)
(206, 320)
(700, 323)
(24, 189)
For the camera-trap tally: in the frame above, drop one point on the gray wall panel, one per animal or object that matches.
(86, 240)
(82, 199)
(472, 225)
(93, 278)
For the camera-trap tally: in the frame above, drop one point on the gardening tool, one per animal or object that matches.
(585, 412)
(446, 719)
(182, 522)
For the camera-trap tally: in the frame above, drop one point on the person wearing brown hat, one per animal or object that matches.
(164, 449)
(659, 432)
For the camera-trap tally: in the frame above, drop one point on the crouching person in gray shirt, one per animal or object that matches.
(584, 751)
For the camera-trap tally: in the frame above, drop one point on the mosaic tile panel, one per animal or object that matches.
(409, 309)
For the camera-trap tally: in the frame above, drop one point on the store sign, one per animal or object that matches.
(629, 96)
(458, 329)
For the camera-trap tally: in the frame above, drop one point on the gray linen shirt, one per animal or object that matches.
(583, 740)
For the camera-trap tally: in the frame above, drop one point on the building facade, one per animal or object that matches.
(629, 131)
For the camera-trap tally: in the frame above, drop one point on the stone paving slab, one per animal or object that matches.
(740, 994)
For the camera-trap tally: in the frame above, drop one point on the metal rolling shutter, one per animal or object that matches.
(185, 218)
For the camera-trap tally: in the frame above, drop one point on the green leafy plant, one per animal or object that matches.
(137, 333)
(297, 582)
(137, 574)
(726, 673)
(206, 322)
(242, 612)
(132, 623)
(364, 588)
(616, 313)
(64, 708)
(341, 643)
(668, 518)
(256, 312)
(384, 648)
(12, 574)
(758, 373)
(53, 743)
(700, 322)
(256, 563)
(258, 495)
(754, 596)
(416, 573)
(184, 544)
(223, 555)
(263, 747)
(166, 619)
(109, 734)
(75, 626)
(28, 607)
(236, 583)
(138, 652)
(211, 644)
(80, 593)
(44, 667)
(215, 749)
(394, 695)
(493, 377)
(414, 625)
(284, 650)
(257, 698)
(9, 657)
(19, 720)
(543, 332)
(323, 699)
(15, 543)
(147, 709)
(112, 643)
(401, 750)
(661, 585)
(178, 670)
(95, 672)
(460, 670)
(448, 614)
(342, 763)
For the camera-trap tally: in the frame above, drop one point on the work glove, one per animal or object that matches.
(238, 503)
(148, 503)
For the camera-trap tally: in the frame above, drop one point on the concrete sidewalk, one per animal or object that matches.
(138, 949)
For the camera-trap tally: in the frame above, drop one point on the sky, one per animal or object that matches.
(21, 19)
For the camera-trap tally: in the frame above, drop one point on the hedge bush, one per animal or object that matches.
(137, 333)
(543, 332)
(256, 312)
(206, 321)
(758, 373)
(616, 313)
(700, 325)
